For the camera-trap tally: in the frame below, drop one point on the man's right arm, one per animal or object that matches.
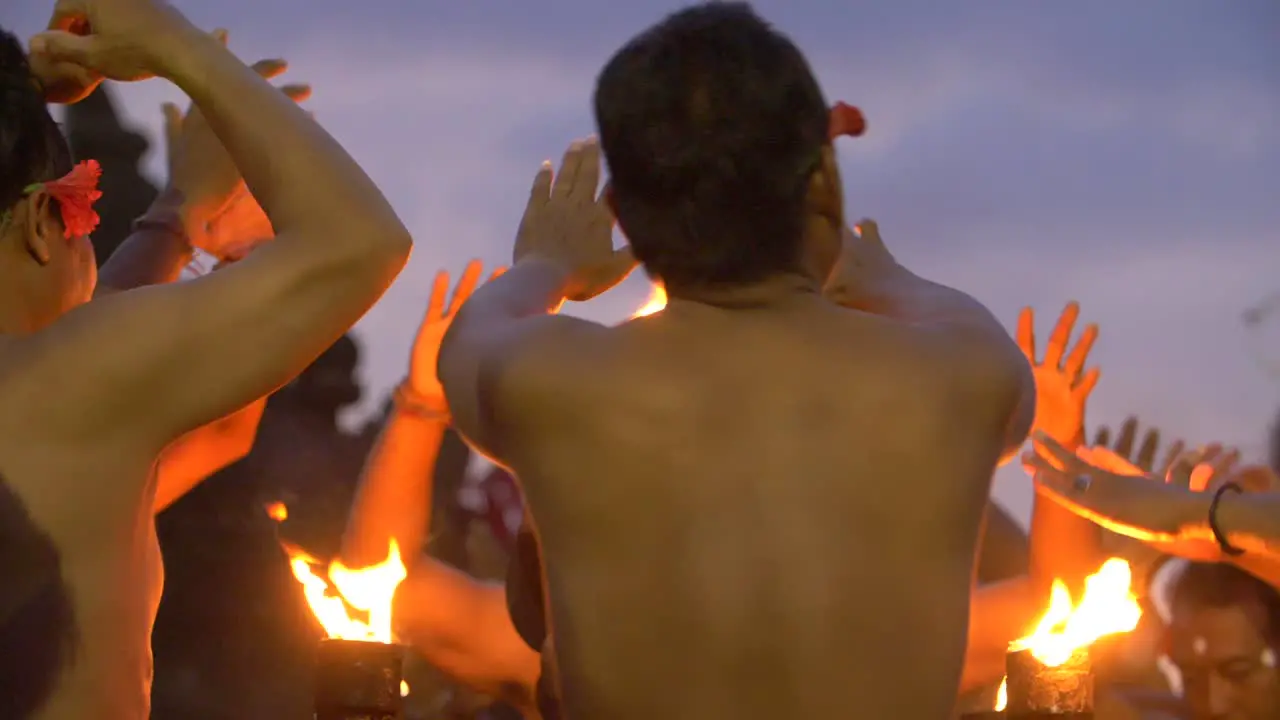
(150, 364)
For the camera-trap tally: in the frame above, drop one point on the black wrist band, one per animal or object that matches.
(1218, 535)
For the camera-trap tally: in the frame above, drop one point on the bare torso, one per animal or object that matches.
(110, 560)
(766, 514)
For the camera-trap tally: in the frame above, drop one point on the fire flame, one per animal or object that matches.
(656, 302)
(1107, 608)
(368, 590)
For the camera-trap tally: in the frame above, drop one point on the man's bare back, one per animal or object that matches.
(782, 511)
(765, 501)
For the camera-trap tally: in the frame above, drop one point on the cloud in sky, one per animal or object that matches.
(1027, 153)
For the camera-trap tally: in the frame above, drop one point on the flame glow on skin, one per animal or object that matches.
(656, 302)
(1108, 607)
(368, 590)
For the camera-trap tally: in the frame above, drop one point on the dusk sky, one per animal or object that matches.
(1126, 155)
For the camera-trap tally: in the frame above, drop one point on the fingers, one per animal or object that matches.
(466, 285)
(62, 46)
(1075, 361)
(541, 191)
(299, 92)
(570, 166)
(221, 36)
(172, 125)
(497, 273)
(588, 178)
(1103, 438)
(1087, 383)
(1027, 334)
(439, 292)
(1171, 456)
(270, 67)
(1034, 464)
(1180, 470)
(1128, 433)
(70, 16)
(1147, 451)
(1061, 335)
(869, 231)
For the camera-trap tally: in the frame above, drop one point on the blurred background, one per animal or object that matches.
(1123, 155)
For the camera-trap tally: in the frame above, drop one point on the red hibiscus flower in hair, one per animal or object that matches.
(76, 192)
(846, 120)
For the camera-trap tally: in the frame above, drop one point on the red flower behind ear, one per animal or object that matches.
(76, 192)
(847, 120)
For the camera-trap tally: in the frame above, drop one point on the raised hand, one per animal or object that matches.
(426, 347)
(1144, 458)
(118, 39)
(567, 223)
(864, 260)
(223, 217)
(1062, 383)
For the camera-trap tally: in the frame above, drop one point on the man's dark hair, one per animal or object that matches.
(1220, 585)
(32, 148)
(712, 125)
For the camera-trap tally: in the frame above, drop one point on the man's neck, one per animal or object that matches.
(775, 291)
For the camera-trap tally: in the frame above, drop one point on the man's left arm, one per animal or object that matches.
(204, 451)
(154, 254)
(507, 326)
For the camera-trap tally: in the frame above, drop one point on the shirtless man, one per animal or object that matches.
(691, 474)
(77, 448)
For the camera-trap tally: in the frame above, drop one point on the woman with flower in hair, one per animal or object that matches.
(96, 384)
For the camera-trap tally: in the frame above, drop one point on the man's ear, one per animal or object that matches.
(41, 228)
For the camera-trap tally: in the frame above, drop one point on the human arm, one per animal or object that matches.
(461, 626)
(202, 203)
(338, 246)
(1174, 516)
(1073, 547)
(393, 500)
(868, 278)
(564, 250)
(204, 451)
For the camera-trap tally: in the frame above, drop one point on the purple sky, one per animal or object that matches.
(1123, 154)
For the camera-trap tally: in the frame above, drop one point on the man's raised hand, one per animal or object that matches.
(441, 310)
(118, 39)
(222, 215)
(569, 224)
(1062, 383)
(864, 260)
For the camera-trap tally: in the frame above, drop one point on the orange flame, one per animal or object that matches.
(369, 590)
(1108, 607)
(656, 302)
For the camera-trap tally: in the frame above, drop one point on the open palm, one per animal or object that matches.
(441, 309)
(1062, 383)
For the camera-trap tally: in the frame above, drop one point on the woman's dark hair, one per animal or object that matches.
(712, 125)
(32, 148)
(1220, 585)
